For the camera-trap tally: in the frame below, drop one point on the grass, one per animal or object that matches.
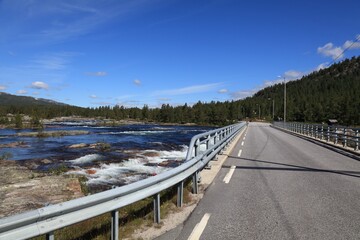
(5, 156)
(62, 168)
(84, 187)
(103, 146)
(131, 218)
(43, 134)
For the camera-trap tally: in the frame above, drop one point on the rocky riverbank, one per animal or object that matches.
(22, 189)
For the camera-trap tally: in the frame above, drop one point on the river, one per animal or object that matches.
(135, 151)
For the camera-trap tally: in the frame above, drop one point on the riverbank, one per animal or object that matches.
(22, 189)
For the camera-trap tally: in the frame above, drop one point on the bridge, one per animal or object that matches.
(278, 186)
(273, 185)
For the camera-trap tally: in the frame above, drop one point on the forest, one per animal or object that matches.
(331, 93)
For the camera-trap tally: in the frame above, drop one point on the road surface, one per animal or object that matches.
(277, 186)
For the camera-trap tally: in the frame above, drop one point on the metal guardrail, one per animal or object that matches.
(345, 136)
(203, 147)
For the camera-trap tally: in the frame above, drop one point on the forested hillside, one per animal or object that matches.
(332, 93)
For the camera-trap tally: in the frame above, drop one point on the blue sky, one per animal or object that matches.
(134, 52)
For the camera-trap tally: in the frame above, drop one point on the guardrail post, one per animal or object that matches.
(328, 134)
(50, 236)
(357, 140)
(308, 130)
(302, 129)
(344, 138)
(115, 225)
(336, 136)
(195, 182)
(208, 142)
(197, 147)
(180, 194)
(322, 132)
(317, 135)
(157, 208)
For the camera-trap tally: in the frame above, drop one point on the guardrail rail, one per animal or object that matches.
(338, 135)
(202, 148)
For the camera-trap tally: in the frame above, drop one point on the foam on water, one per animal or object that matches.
(131, 170)
(86, 159)
(142, 132)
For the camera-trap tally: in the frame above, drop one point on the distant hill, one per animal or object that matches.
(331, 93)
(7, 99)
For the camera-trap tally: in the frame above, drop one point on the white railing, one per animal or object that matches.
(203, 147)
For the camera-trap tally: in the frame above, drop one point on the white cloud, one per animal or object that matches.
(39, 85)
(189, 90)
(35, 93)
(329, 50)
(93, 96)
(137, 82)
(268, 83)
(322, 66)
(351, 45)
(224, 90)
(96, 74)
(293, 74)
(242, 94)
(2, 87)
(21, 92)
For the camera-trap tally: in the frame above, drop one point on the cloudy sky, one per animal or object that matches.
(136, 52)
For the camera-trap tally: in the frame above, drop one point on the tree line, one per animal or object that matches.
(332, 93)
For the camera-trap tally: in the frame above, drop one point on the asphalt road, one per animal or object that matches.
(281, 187)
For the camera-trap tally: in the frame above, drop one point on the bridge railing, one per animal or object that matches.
(203, 148)
(339, 135)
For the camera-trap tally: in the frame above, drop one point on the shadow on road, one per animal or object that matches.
(290, 167)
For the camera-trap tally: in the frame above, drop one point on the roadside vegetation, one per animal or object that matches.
(133, 217)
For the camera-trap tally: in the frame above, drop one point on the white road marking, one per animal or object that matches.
(242, 143)
(244, 137)
(229, 175)
(200, 227)
(239, 154)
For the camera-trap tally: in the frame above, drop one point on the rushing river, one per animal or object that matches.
(136, 151)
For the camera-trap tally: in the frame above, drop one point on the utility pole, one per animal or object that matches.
(284, 100)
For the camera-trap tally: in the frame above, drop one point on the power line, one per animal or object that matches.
(357, 39)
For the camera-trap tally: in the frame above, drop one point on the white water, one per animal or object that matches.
(86, 159)
(128, 171)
